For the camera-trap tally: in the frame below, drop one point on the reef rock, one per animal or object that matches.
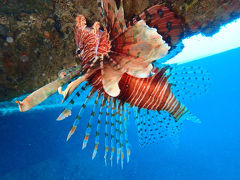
(36, 37)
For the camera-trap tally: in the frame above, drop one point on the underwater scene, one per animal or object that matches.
(119, 89)
(33, 144)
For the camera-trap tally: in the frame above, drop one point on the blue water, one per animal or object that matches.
(33, 144)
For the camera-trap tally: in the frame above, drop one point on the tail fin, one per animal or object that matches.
(190, 117)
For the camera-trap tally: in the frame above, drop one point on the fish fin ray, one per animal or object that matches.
(113, 130)
(90, 122)
(78, 117)
(106, 145)
(97, 136)
(188, 82)
(126, 117)
(66, 112)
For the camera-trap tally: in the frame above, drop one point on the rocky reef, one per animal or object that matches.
(37, 37)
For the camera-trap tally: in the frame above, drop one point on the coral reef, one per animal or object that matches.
(36, 37)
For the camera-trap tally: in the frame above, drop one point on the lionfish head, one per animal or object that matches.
(92, 44)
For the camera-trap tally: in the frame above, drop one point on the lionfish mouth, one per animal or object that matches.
(117, 72)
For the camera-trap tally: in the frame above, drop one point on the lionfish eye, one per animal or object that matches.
(78, 52)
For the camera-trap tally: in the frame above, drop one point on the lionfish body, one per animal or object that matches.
(117, 64)
(150, 93)
(153, 93)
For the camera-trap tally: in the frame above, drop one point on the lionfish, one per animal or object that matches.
(117, 68)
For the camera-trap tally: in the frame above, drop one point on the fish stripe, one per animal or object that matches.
(151, 93)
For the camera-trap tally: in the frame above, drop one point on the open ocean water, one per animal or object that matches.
(33, 144)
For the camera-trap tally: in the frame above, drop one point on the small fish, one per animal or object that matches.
(117, 64)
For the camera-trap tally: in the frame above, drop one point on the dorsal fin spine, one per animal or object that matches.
(121, 134)
(112, 130)
(117, 126)
(89, 126)
(106, 129)
(78, 117)
(126, 117)
(98, 128)
(68, 107)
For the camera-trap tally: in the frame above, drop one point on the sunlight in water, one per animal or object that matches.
(199, 46)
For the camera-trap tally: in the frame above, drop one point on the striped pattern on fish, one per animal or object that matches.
(117, 64)
(153, 93)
